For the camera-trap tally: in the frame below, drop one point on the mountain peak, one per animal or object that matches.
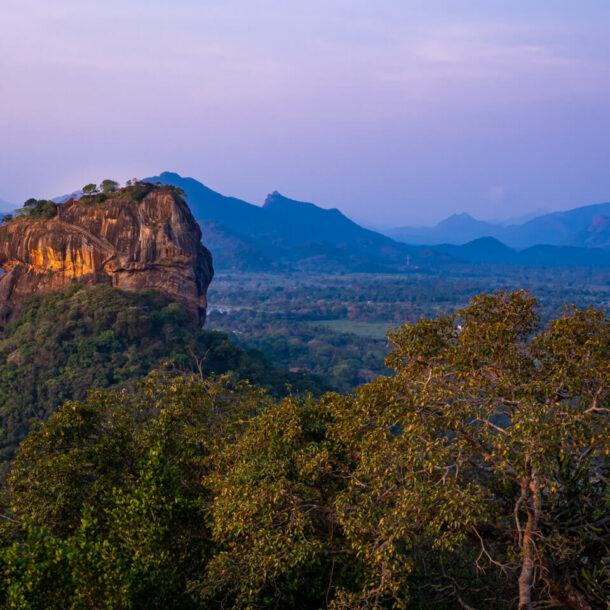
(275, 197)
(462, 219)
(276, 202)
(489, 243)
(171, 176)
(461, 216)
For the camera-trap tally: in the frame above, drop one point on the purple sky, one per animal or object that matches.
(396, 111)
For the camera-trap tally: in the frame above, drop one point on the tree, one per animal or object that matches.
(111, 497)
(33, 208)
(273, 517)
(64, 345)
(476, 474)
(109, 186)
(517, 423)
(90, 189)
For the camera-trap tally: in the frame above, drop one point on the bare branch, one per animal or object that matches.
(503, 567)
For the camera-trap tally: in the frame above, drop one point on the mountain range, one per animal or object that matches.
(285, 233)
(492, 251)
(587, 226)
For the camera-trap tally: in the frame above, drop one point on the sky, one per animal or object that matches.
(397, 112)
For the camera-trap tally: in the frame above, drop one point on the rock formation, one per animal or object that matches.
(127, 243)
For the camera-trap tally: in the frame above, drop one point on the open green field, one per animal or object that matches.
(374, 330)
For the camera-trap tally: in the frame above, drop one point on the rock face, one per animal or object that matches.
(151, 243)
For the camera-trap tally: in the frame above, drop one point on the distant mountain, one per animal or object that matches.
(556, 229)
(596, 235)
(280, 220)
(297, 222)
(481, 250)
(284, 231)
(64, 198)
(287, 234)
(491, 251)
(457, 229)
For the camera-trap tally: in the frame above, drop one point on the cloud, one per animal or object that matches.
(417, 104)
(474, 65)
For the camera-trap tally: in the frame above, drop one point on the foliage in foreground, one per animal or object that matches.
(65, 344)
(475, 476)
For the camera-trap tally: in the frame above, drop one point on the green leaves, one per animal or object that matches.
(475, 474)
(32, 208)
(64, 345)
(271, 514)
(115, 488)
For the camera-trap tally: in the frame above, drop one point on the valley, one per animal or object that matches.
(335, 325)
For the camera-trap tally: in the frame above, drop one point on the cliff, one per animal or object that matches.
(126, 243)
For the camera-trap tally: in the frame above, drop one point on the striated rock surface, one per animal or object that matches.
(131, 245)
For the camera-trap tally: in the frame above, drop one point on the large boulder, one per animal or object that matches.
(131, 244)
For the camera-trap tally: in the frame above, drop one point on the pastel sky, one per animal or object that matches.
(395, 111)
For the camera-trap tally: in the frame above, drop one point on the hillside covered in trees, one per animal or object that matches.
(65, 344)
(475, 475)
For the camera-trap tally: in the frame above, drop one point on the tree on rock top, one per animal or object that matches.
(90, 189)
(109, 186)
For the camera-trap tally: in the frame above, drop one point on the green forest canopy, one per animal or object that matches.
(474, 476)
(64, 344)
